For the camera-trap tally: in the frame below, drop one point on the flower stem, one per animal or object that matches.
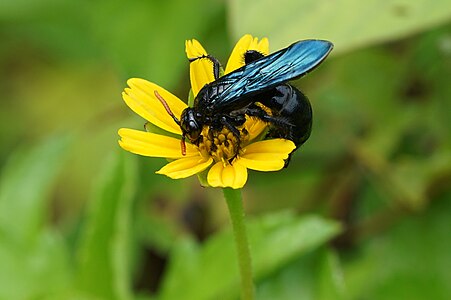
(235, 205)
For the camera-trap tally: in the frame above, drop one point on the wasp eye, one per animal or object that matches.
(193, 125)
(190, 124)
(194, 130)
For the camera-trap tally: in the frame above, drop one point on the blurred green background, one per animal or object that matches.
(363, 211)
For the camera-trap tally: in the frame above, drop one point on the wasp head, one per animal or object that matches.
(191, 124)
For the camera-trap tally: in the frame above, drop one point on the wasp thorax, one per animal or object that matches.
(222, 145)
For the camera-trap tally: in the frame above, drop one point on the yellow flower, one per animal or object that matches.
(227, 157)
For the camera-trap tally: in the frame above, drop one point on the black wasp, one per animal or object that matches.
(225, 101)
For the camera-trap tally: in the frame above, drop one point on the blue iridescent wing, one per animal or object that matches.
(284, 65)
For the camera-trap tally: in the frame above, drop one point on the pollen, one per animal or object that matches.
(222, 146)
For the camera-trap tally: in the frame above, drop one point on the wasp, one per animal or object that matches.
(259, 89)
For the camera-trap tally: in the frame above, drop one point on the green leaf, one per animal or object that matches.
(40, 269)
(330, 280)
(347, 23)
(210, 271)
(104, 253)
(34, 260)
(314, 276)
(25, 186)
(411, 261)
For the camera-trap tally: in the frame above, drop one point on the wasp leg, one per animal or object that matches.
(260, 113)
(230, 123)
(281, 127)
(216, 64)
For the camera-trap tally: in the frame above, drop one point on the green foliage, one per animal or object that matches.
(348, 23)
(361, 213)
(412, 261)
(104, 251)
(317, 275)
(33, 256)
(210, 271)
(25, 187)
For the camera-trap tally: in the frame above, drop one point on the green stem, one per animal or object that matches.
(235, 205)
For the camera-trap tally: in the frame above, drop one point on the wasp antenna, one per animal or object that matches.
(166, 106)
(168, 110)
(183, 145)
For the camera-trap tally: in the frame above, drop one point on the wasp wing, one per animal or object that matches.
(284, 65)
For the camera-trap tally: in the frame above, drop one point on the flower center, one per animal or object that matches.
(222, 145)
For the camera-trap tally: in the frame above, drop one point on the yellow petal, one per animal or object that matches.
(154, 145)
(236, 58)
(234, 176)
(200, 70)
(261, 46)
(268, 155)
(140, 97)
(246, 43)
(185, 167)
(194, 49)
(254, 127)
